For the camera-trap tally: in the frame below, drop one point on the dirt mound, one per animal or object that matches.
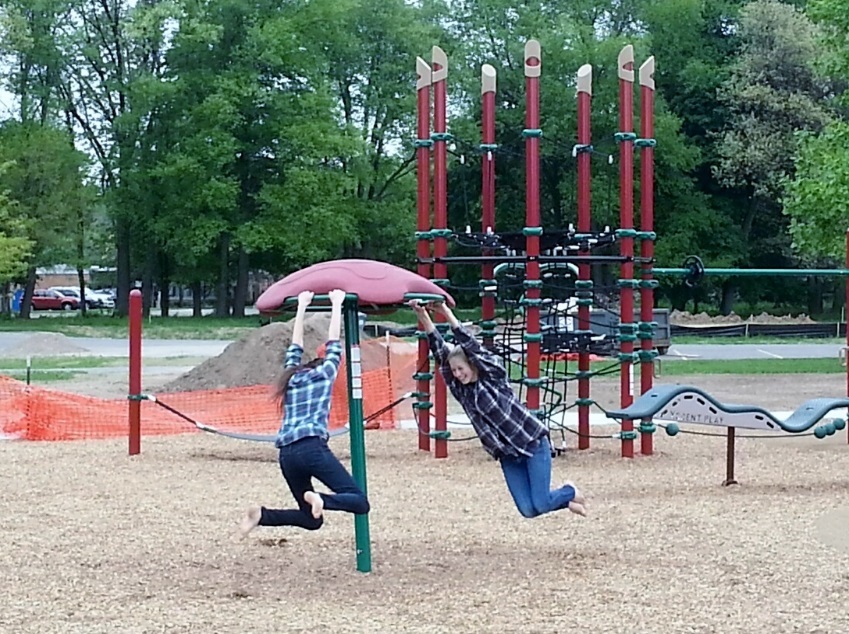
(43, 344)
(254, 359)
(684, 318)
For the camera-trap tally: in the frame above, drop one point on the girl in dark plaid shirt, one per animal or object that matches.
(304, 390)
(506, 428)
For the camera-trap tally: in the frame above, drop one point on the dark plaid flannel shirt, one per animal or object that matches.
(506, 427)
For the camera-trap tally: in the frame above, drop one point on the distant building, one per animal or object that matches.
(65, 275)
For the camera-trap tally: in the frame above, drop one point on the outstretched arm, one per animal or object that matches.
(296, 347)
(337, 298)
(333, 350)
(484, 360)
(304, 300)
(435, 340)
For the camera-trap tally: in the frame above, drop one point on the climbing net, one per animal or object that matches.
(561, 341)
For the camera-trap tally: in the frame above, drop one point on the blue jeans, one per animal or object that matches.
(300, 462)
(529, 481)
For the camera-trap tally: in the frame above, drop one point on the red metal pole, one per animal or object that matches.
(440, 217)
(423, 144)
(626, 242)
(584, 88)
(487, 195)
(846, 314)
(646, 226)
(135, 316)
(533, 69)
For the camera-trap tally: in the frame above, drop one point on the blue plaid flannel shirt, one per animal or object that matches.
(506, 427)
(307, 404)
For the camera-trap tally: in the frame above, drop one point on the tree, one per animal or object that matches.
(772, 93)
(817, 194)
(15, 244)
(44, 178)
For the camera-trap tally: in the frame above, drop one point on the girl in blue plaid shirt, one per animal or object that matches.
(304, 390)
(506, 428)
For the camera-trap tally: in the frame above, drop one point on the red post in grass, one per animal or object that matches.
(647, 228)
(626, 243)
(135, 371)
(584, 89)
(439, 76)
(533, 69)
(423, 243)
(846, 314)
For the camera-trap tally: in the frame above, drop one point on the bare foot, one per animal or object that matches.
(314, 499)
(578, 509)
(251, 519)
(579, 497)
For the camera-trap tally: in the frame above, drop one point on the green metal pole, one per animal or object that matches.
(355, 421)
(758, 272)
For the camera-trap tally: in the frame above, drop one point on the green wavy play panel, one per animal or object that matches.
(688, 404)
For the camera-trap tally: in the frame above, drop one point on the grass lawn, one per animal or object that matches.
(731, 366)
(154, 327)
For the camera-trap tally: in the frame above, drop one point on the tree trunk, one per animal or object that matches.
(197, 304)
(81, 280)
(729, 296)
(6, 300)
(26, 300)
(148, 275)
(221, 303)
(815, 296)
(241, 292)
(164, 281)
(839, 302)
(124, 275)
(164, 296)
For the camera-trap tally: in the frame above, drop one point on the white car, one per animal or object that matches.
(93, 299)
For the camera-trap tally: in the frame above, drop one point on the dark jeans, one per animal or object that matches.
(302, 461)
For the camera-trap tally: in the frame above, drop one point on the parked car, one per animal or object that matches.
(53, 300)
(93, 299)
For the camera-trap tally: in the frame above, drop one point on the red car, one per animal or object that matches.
(53, 300)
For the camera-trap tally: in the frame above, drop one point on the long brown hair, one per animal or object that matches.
(282, 383)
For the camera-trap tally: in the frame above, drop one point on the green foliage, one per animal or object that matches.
(817, 199)
(817, 194)
(231, 136)
(15, 245)
(772, 93)
(44, 177)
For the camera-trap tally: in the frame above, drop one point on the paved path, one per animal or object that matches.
(158, 348)
(754, 351)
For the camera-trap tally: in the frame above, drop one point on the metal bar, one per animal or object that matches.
(488, 86)
(758, 272)
(533, 68)
(511, 259)
(135, 319)
(423, 246)
(440, 221)
(357, 429)
(626, 245)
(646, 224)
(584, 90)
(729, 458)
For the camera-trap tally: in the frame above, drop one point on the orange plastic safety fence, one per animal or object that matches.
(35, 413)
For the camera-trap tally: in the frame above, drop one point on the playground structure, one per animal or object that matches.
(370, 286)
(536, 247)
(572, 248)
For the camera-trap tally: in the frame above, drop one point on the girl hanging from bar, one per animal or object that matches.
(304, 390)
(508, 431)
